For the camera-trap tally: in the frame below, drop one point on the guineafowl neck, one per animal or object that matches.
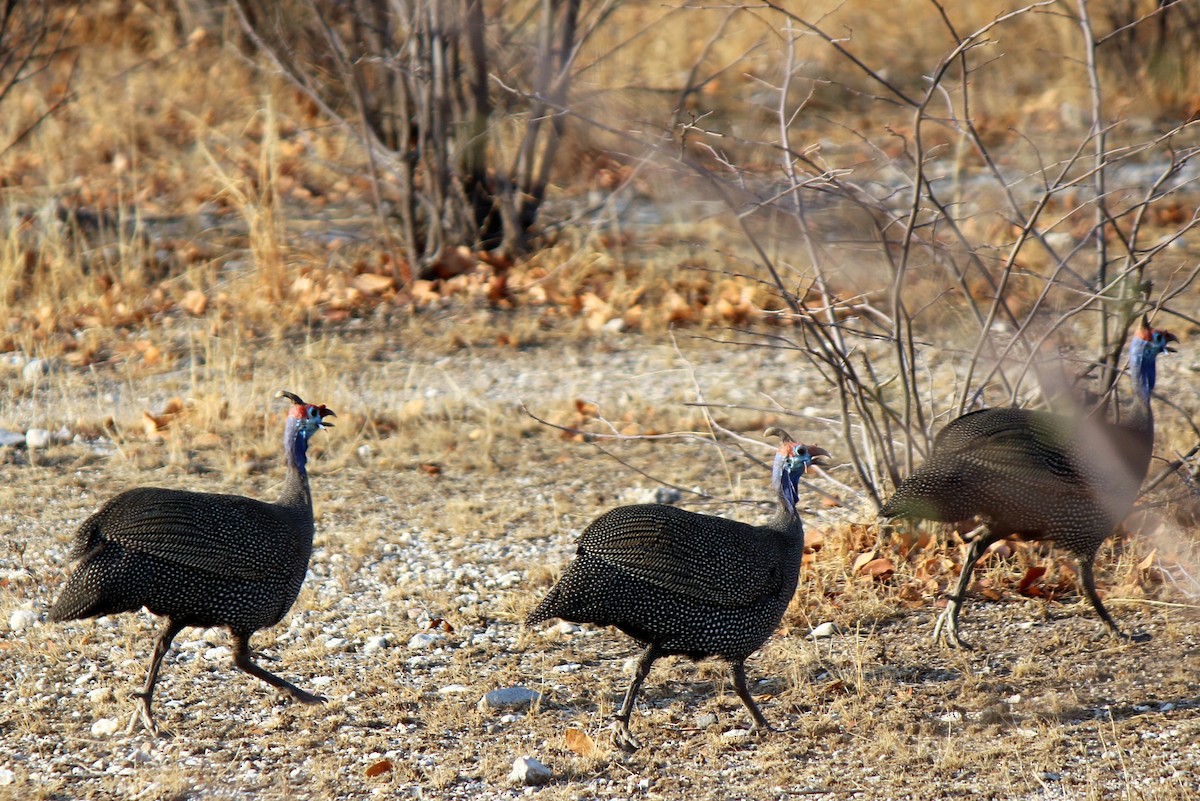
(296, 493)
(787, 520)
(1142, 374)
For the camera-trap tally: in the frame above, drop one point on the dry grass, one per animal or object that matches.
(220, 249)
(1048, 706)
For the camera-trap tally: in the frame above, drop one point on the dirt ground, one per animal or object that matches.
(437, 498)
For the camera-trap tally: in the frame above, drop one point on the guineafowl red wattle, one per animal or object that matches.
(688, 584)
(1039, 476)
(200, 559)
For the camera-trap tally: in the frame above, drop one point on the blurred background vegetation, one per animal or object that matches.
(892, 189)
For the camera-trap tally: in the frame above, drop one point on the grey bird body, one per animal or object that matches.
(199, 559)
(687, 584)
(1037, 475)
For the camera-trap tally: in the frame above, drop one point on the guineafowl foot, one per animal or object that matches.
(623, 737)
(144, 716)
(946, 630)
(305, 697)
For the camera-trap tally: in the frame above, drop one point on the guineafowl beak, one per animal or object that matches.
(815, 451)
(325, 413)
(1170, 338)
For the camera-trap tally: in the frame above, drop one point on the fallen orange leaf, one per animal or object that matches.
(580, 742)
(379, 768)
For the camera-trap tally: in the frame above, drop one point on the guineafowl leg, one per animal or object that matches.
(1087, 577)
(146, 696)
(743, 691)
(241, 658)
(621, 734)
(949, 617)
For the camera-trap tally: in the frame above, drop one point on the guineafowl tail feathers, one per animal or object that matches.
(546, 609)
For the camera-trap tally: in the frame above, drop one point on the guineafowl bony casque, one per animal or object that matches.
(200, 559)
(688, 584)
(1038, 475)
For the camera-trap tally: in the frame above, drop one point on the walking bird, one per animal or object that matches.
(200, 559)
(688, 584)
(1039, 476)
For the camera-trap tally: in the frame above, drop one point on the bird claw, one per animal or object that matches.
(1136, 637)
(142, 715)
(947, 622)
(762, 729)
(623, 737)
(305, 697)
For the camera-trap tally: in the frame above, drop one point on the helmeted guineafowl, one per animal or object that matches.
(686, 583)
(200, 559)
(1040, 476)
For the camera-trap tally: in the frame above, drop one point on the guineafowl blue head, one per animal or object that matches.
(1147, 343)
(303, 420)
(791, 461)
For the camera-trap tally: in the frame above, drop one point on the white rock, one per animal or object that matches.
(106, 727)
(22, 619)
(376, 644)
(11, 439)
(509, 698)
(425, 640)
(37, 438)
(217, 653)
(335, 643)
(827, 629)
(100, 695)
(735, 734)
(572, 667)
(320, 681)
(529, 772)
(454, 689)
(35, 369)
(7, 776)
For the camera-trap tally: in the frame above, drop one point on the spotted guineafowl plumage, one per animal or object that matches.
(688, 584)
(1039, 476)
(201, 559)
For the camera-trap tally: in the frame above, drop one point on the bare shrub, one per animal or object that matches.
(460, 111)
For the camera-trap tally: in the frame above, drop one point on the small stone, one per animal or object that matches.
(454, 689)
(321, 681)
(706, 720)
(336, 643)
(572, 667)
(425, 640)
(11, 439)
(667, 495)
(37, 438)
(100, 695)
(735, 734)
(217, 653)
(7, 776)
(509, 698)
(375, 644)
(1166, 707)
(529, 772)
(106, 727)
(35, 369)
(827, 629)
(562, 628)
(22, 619)
(614, 326)
(1051, 776)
